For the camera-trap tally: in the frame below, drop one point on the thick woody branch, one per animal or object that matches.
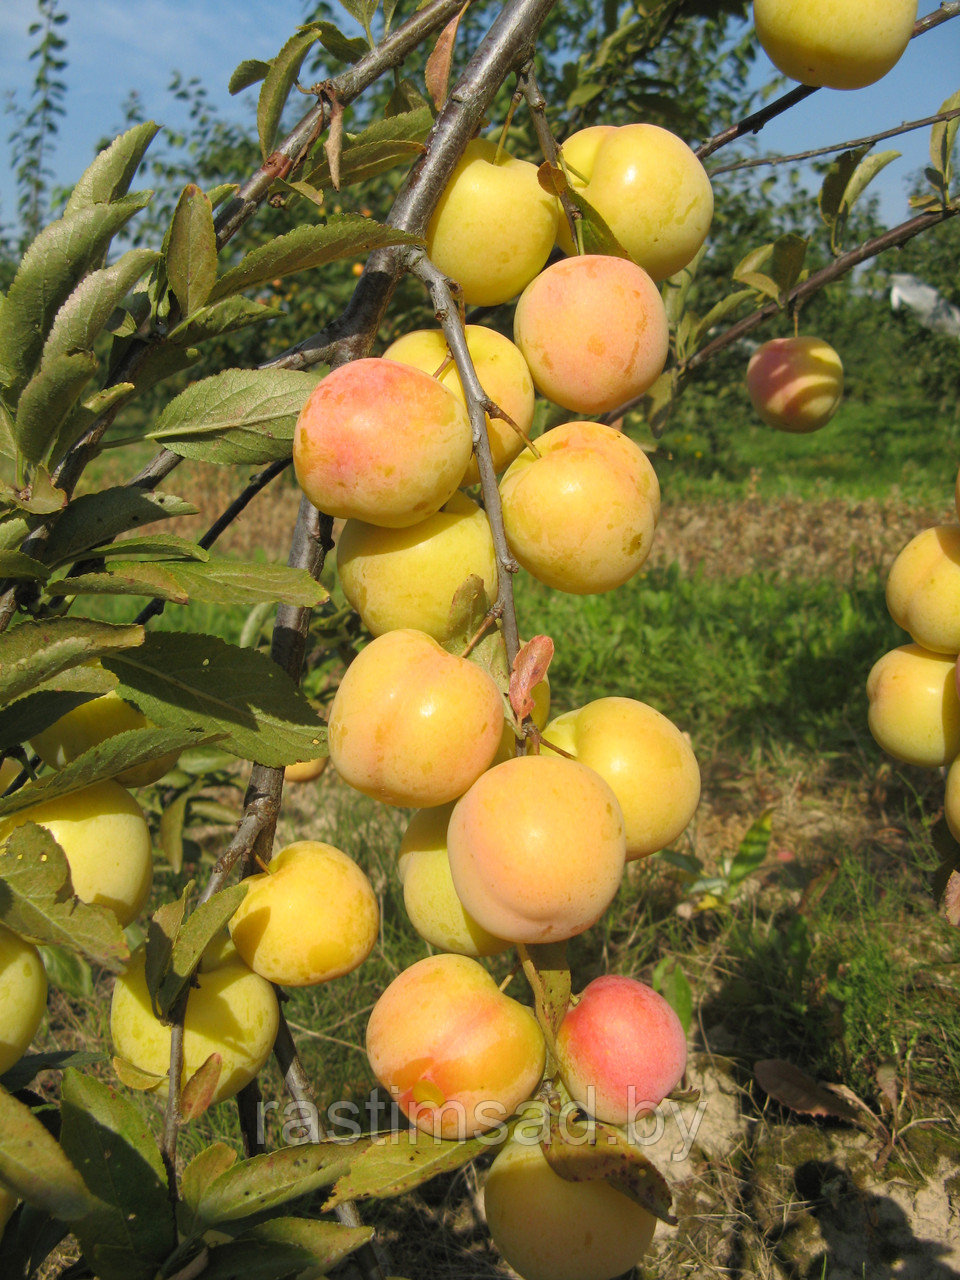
(755, 122)
(479, 405)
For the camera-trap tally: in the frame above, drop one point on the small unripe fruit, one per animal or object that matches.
(795, 384)
(311, 917)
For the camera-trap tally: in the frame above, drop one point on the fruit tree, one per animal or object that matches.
(435, 459)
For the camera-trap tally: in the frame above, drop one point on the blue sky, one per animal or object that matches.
(117, 45)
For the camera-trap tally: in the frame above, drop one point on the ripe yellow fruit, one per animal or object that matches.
(494, 225)
(104, 835)
(549, 1228)
(923, 589)
(231, 1011)
(914, 705)
(312, 917)
(795, 384)
(23, 997)
(835, 44)
(92, 723)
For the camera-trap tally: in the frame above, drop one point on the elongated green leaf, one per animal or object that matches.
(763, 284)
(35, 1166)
(83, 316)
(249, 72)
(284, 1247)
(195, 681)
(26, 717)
(110, 1144)
(68, 972)
(156, 546)
(162, 929)
(14, 564)
(719, 311)
(202, 1171)
(86, 414)
(378, 147)
(863, 175)
(669, 979)
(789, 252)
(272, 1179)
(226, 316)
(122, 578)
(109, 176)
(31, 1064)
(752, 851)
(192, 938)
(943, 137)
(596, 234)
(97, 518)
(753, 261)
(48, 398)
(40, 497)
(8, 445)
(53, 265)
(37, 900)
(222, 581)
(342, 47)
(546, 968)
(162, 362)
(398, 1162)
(277, 83)
(171, 827)
(346, 236)
(36, 651)
(191, 256)
(240, 415)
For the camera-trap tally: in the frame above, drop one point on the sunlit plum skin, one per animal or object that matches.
(382, 442)
(621, 1049)
(549, 1228)
(230, 1010)
(104, 835)
(429, 897)
(647, 761)
(92, 723)
(537, 849)
(650, 189)
(397, 578)
(914, 710)
(593, 331)
(795, 384)
(305, 770)
(923, 589)
(313, 916)
(457, 1054)
(23, 997)
(834, 44)
(502, 372)
(581, 517)
(493, 227)
(412, 724)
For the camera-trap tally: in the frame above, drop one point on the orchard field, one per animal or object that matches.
(802, 926)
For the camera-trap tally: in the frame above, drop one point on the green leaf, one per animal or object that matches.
(864, 174)
(98, 518)
(22, 720)
(8, 446)
(31, 1064)
(284, 1247)
(161, 362)
(248, 72)
(266, 1181)
(277, 83)
(546, 969)
(345, 236)
(122, 578)
(37, 900)
(610, 1156)
(162, 929)
(397, 1162)
(202, 1171)
(40, 497)
(157, 546)
(121, 751)
(84, 315)
(222, 581)
(754, 260)
(196, 681)
(171, 827)
(111, 1145)
(240, 415)
(943, 137)
(191, 255)
(47, 399)
(61, 255)
(719, 311)
(35, 1166)
(192, 939)
(377, 148)
(14, 564)
(762, 283)
(752, 851)
(334, 41)
(670, 980)
(223, 317)
(597, 236)
(37, 651)
(109, 176)
(789, 252)
(68, 972)
(86, 414)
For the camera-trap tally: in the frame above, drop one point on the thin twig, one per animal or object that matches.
(759, 161)
(479, 405)
(537, 106)
(755, 122)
